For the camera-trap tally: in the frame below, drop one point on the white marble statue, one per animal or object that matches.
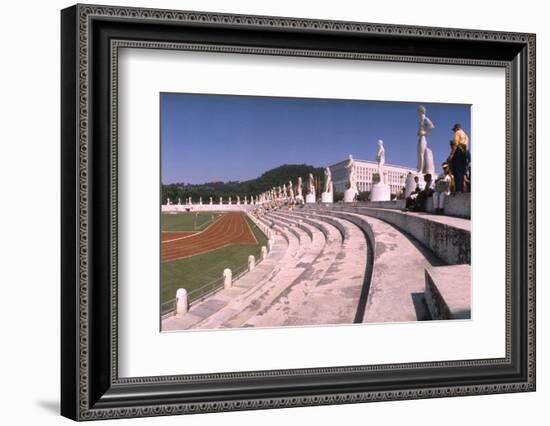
(311, 184)
(425, 126)
(221, 201)
(284, 190)
(200, 201)
(238, 200)
(245, 200)
(381, 190)
(429, 166)
(328, 180)
(290, 190)
(352, 178)
(381, 158)
(211, 201)
(299, 188)
(229, 201)
(168, 201)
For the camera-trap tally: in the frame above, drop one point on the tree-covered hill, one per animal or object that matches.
(253, 187)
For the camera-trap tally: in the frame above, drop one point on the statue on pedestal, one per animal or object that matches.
(168, 201)
(299, 188)
(211, 201)
(290, 190)
(425, 126)
(221, 201)
(200, 201)
(310, 196)
(351, 193)
(328, 196)
(352, 178)
(380, 191)
(284, 190)
(328, 180)
(238, 200)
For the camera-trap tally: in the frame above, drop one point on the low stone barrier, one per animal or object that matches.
(446, 237)
(181, 208)
(448, 292)
(457, 205)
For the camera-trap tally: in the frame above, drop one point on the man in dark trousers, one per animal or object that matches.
(459, 157)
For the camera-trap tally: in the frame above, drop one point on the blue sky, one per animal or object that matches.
(207, 138)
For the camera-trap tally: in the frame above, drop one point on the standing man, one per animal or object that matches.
(442, 188)
(459, 157)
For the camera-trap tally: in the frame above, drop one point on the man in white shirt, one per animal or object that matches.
(442, 188)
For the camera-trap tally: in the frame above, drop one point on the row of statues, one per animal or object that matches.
(380, 190)
(189, 201)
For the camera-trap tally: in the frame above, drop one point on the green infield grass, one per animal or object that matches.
(197, 271)
(188, 221)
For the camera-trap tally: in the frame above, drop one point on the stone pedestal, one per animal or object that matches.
(182, 304)
(227, 278)
(380, 192)
(310, 198)
(327, 197)
(349, 196)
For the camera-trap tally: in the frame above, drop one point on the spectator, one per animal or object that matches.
(417, 200)
(417, 187)
(411, 199)
(459, 156)
(425, 193)
(443, 186)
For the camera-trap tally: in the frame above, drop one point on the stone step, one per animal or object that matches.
(292, 238)
(396, 286)
(318, 239)
(239, 307)
(332, 231)
(336, 297)
(447, 237)
(448, 292)
(328, 291)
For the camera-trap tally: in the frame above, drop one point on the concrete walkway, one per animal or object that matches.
(396, 291)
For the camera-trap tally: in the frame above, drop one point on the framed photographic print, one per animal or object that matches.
(263, 212)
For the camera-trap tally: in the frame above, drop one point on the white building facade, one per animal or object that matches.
(394, 175)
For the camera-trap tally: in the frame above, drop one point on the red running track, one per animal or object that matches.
(231, 228)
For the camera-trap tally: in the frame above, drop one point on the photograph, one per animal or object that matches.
(282, 211)
(272, 208)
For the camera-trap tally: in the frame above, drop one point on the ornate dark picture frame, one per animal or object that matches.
(91, 37)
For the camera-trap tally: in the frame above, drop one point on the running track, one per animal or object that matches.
(231, 228)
